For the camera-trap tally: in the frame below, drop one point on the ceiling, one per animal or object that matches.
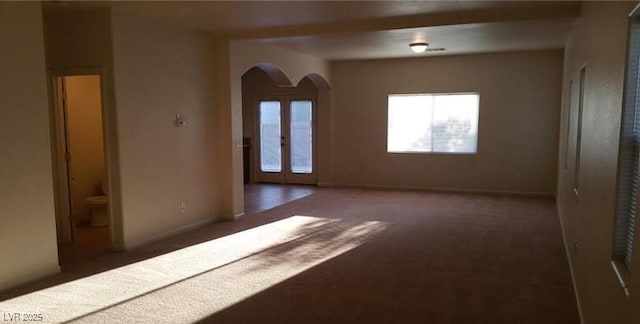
(364, 29)
(454, 39)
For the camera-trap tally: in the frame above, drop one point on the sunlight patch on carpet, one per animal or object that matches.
(192, 283)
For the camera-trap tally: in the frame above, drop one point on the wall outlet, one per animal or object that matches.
(183, 207)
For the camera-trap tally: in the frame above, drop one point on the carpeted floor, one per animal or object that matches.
(335, 256)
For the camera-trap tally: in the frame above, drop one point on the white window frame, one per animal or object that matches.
(437, 152)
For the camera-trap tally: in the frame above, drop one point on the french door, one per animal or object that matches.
(286, 140)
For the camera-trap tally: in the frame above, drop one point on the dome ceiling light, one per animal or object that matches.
(419, 47)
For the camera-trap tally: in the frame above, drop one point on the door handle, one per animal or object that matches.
(281, 140)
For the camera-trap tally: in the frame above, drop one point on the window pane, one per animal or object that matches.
(301, 137)
(445, 123)
(455, 123)
(409, 125)
(270, 151)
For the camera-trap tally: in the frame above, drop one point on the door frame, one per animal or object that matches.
(302, 178)
(58, 130)
(285, 176)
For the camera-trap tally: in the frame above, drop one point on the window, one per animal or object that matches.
(440, 123)
(270, 137)
(628, 161)
(301, 135)
(576, 169)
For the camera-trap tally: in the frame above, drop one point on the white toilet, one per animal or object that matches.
(98, 209)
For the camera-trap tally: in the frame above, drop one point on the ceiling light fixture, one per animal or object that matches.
(419, 47)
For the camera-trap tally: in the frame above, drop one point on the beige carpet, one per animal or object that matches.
(337, 256)
(177, 286)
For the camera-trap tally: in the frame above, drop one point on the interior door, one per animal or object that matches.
(286, 140)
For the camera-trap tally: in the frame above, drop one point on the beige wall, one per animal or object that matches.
(518, 127)
(78, 39)
(246, 54)
(162, 70)
(598, 40)
(243, 55)
(28, 233)
(84, 122)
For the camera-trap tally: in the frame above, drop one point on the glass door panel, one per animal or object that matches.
(270, 137)
(301, 137)
(285, 140)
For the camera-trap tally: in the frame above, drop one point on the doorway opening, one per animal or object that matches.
(82, 215)
(280, 136)
(279, 129)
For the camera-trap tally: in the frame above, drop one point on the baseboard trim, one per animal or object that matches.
(568, 254)
(324, 184)
(31, 277)
(173, 232)
(450, 190)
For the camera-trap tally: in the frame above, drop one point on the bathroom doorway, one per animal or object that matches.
(82, 216)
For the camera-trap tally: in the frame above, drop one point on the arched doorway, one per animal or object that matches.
(281, 136)
(280, 127)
